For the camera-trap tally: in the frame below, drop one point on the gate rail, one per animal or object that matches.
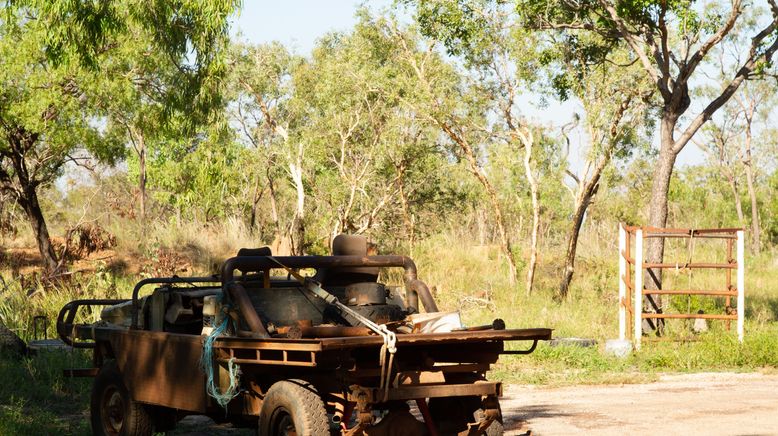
(632, 269)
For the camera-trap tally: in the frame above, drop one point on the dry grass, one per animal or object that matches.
(465, 277)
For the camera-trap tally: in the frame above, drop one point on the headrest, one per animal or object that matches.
(263, 251)
(349, 245)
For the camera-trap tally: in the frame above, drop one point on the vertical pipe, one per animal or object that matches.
(741, 283)
(622, 283)
(628, 255)
(638, 308)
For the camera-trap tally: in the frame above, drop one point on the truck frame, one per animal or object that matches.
(286, 361)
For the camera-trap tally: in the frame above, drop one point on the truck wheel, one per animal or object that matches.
(452, 414)
(113, 411)
(293, 407)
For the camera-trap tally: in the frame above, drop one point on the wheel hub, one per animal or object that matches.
(112, 411)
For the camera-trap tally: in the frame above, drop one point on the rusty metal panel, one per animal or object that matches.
(162, 368)
(449, 390)
(440, 338)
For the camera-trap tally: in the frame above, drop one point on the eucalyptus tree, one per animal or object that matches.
(51, 91)
(166, 81)
(616, 103)
(269, 119)
(365, 141)
(500, 62)
(756, 103)
(46, 117)
(196, 176)
(735, 142)
(672, 41)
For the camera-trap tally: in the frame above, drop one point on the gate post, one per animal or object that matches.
(741, 283)
(638, 294)
(623, 302)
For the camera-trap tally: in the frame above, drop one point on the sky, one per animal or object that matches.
(299, 23)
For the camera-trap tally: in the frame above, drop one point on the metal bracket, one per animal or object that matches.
(527, 351)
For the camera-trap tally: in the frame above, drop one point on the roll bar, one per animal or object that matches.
(416, 289)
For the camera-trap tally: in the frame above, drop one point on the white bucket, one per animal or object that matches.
(436, 322)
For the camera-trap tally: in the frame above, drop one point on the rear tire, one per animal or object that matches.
(293, 407)
(113, 411)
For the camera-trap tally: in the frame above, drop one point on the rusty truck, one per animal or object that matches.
(321, 348)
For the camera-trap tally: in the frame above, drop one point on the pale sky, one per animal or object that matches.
(297, 23)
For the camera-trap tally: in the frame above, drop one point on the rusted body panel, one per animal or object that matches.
(161, 368)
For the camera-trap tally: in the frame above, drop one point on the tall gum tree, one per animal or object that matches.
(672, 41)
(45, 119)
(734, 143)
(499, 64)
(366, 144)
(51, 83)
(166, 78)
(615, 105)
(270, 119)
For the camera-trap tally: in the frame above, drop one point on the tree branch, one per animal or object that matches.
(742, 74)
(699, 55)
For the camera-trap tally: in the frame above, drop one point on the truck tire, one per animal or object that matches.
(293, 407)
(113, 411)
(452, 414)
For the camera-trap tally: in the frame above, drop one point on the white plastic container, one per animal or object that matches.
(436, 322)
(212, 314)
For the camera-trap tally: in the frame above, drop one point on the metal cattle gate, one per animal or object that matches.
(633, 266)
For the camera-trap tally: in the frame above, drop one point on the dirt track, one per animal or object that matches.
(704, 404)
(695, 404)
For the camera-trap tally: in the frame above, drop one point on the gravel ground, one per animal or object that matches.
(693, 404)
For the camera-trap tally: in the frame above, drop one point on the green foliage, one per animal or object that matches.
(48, 104)
(459, 24)
(191, 34)
(198, 179)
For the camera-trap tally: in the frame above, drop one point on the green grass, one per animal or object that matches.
(710, 352)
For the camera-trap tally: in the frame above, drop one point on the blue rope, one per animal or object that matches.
(206, 363)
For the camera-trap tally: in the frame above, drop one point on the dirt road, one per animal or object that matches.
(694, 404)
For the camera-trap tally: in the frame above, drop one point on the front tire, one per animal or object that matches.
(113, 411)
(293, 407)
